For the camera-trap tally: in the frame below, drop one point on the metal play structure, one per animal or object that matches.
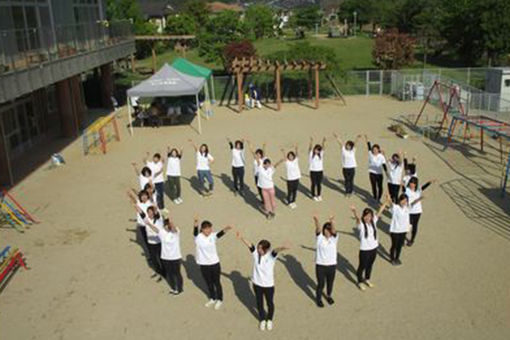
(13, 213)
(97, 135)
(10, 261)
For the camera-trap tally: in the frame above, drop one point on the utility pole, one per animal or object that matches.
(355, 15)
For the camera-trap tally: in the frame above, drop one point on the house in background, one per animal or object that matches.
(218, 6)
(156, 11)
(46, 49)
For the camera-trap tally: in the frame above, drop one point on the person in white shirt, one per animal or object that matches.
(170, 256)
(208, 260)
(395, 175)
(258, 153)
(265, 182)
(399, 225)
(293, 175)
(316, 167)
(144, 176)
(376, 167)
(238, 163)
(410, 170)
(414, 193)
(348, 162)
(204, 161)
(367, 228)
(151, 215)
(143, 201)
(325, 259)
(156, 165)
(173, 174)
(262, 278)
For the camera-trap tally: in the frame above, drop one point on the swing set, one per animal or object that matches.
(97, 135)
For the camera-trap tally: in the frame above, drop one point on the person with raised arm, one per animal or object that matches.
(238, 163)
(316, 167)
(173, 174)
(144, 176)
(265, 182)
(204, 161)
(376, 167)
(258, 153)
(367, 228)
(293, 175)
(170, 256)
(348, 162)
(156, 164)
(325, 259)
(264, 260)
(395, 175)
(415, 194)
(208, 260)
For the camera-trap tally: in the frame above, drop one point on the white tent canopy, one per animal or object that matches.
(167, 82)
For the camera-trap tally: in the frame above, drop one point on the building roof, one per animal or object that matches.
(218, 6)
(157, 8)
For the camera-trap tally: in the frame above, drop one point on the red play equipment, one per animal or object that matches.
(453, 106)
(10, 261)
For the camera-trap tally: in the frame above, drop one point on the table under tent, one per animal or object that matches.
(167, 82)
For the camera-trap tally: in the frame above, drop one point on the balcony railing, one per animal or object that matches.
(25, 48)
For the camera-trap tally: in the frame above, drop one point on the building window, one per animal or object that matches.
(507, 82)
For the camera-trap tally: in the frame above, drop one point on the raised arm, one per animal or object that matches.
(421, 198)
(195, 225)
(223, 231)
(369, 145)
(317, 224)
(333, 224)
(323, 144)
(310, 145)
(426, 185)
(250, 148)
(337, 138)
(279, 249)
(242, 239)
(151, 225)
(295, 149)
(135, 167)
(230, 144)
(383, 206)
(279, 162)
(146, 158)
(356, 141)
(355, 214)
(193, 145)
(132, 198)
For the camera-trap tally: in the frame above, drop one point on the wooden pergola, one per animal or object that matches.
(240, 67)
(181, 45)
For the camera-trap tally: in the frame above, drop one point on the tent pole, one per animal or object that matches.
(207, 100)
(130, 116)
(213, 95)
(198, 114)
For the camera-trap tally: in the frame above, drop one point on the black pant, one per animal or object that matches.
(325, 275)
(259, 189)
(174, 184)
(366, 261)
(349, 179)
(154, 253)
(238, 175)
(414, 219)
(211, 275)
(376, 183)
(143, 235)
(292, 187)
(397, 241)
(316, 177)
(393, 190)
(268, 294)
(173, 273)
(160, 192)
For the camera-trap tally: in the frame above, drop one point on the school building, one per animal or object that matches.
(49, 50)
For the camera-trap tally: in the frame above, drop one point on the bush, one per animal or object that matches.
(393, 50)
(238, 49)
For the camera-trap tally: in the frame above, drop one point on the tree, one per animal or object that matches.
(181, 24)
(238, 49)
(307, 16)
(260, 20)
(495, 25)
(393, 50)
(199, 10)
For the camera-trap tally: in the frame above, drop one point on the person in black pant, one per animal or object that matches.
(207, 258)
(348, 162)
(238, 163)
(394, 174)
(376, 167)
(367, 228)
(414, 193)
(263, 278)
(293, 175)
(325, 259)
(152, 217)
(316, 167)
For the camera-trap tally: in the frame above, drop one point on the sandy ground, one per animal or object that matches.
(90, 280)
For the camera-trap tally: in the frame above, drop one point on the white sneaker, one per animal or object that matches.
(180, 200)
(269, 325)
(316, 199)
(218, 304)
(262, 326)
(165, 211)
(210, 303)
(176, 201)
(319, 198)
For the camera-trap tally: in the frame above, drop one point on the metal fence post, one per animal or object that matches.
(367, 85)
(380, 82)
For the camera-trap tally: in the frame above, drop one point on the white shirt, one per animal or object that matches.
(265, 180)
(143, 207)
(152, 236)
(237, 158)
(293, 171)
(326, 253)
(170, 244)
(399, 219)
(316, 163)
(349, 158)
(370, 242)
(155, 168)
(256, 165)
(206, 249)
(203, 161)
(413, 196)
(173, 168)
(263, 269)
(375, 163)
(144, 180)
(395, 173)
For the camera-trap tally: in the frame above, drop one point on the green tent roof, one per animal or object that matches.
(187, 67)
